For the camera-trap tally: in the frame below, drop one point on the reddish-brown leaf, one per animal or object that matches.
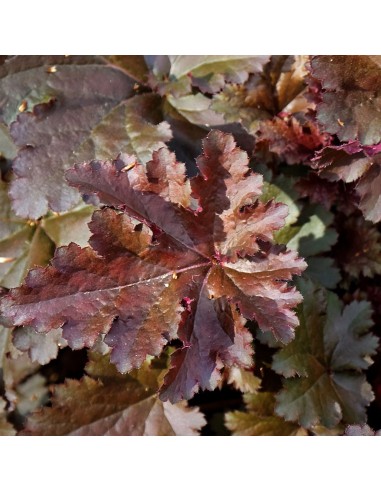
(173, 258)
(293, 141)
(82, 408)
(351, 162)
(350, 100)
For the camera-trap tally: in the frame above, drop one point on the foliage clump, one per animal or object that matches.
(155, 215)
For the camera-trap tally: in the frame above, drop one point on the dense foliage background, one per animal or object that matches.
(185, 286)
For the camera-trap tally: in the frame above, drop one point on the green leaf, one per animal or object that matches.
(174, 76)
(260, 419)
(232, 104)
(8, 149)
(315, 236)
(281, 189)
(23, 244)
(307, 230)
(196, 109)
(325, 362)
(320, 430)
(311, 239)
(31, 394)
(69, 226)
(279, 88)
(9, 223)
(41, 347)
(135, 126)
(28, 247)
(15, 368)
(226, 65)
(322, 269)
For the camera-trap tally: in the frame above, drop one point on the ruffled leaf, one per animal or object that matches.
(111, 405)
(351, 162)
(160, 270)
(260, 419)
(324, 363)
(351, 101)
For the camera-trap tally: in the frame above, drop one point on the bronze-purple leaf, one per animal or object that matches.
(169, 258)
(351, 162)
(82, 408)
(64, 106)
(350, 101)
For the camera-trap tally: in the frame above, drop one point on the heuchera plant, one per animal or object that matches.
(155, 215)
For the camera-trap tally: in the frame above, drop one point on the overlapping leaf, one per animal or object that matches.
(134, 126)
(159, 269)
(111, 404)
(351, 97)
(8, 150)
(260, 419)
(351, 162)
(321, 191)
(209, 72)
(313, 238)
(235, 68)
(294, 141)
(307, 229)
(134, 65)
(361, 430)
(70, 109)
(282, 189)
(243, 380)
(359, 248)
(23, 245)
(175, 77)
(74, 94)
(276, 90)
(70, 226)
(272, 106)
(181, 261)
(22, 387)
(325, 362)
